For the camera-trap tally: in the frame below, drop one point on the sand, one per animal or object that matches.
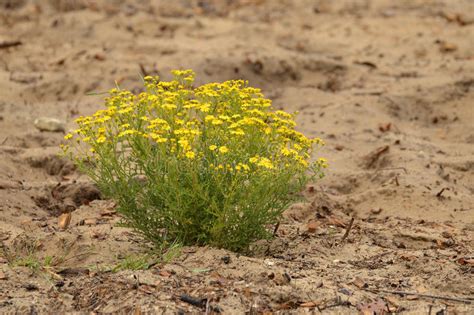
(387, 84)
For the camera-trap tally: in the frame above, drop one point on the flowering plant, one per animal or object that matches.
(206, 165)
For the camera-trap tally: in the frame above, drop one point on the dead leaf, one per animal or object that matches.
(312, 226)
(282, 278)
(287, 305)
(99, 56)
(376, 210)
(164, 273)
(447, 47)
(90, 222)
(358, 282)
(311, 304)
(378, 307)
(64, 220)
(372, 158)
(457, 18)
(137, 311)
(385, 127)
(444, 243)
(99, 235)
(247, 292)
(393, 301)
(407, 257)
(146, 289)
(421, 289)
(8, 184)
(4, 236)
(449, 16)
(107, 212)
(3, 276)
(466, 261)
(446, 234)
(336, 221)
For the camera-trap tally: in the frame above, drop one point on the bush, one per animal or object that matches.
(207, 165)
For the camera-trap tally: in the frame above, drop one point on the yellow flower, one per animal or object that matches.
(224, 117)
(212, 147)
(183, 143)
(266, 163)
(253, 159)
(103, 119)
(158, 121)
(223, 149)
(190, 155)
(101, 139)
(238, 132)
(68, 136)
(235, 125)
(318, 141)
(323, 162)
(245, 167)
(256, 112)
(209, 118)
(205, 108)
(157, 138)
(217, 122)
(169, 106)
(285, 151)
(284, 114)
(127, 132)
(125, 110)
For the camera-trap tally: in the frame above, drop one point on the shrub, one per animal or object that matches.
(206, 165)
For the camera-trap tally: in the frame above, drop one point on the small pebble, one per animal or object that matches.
(226, 259)
(49, 124)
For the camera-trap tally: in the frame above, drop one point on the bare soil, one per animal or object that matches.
(389, 85)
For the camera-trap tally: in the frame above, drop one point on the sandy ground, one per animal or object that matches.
(388, 84)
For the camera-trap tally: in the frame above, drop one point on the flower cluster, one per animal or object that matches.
(223, 133)
(215, 123)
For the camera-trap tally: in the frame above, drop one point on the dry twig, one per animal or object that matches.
(466, 300)
(348, 230)
(10, 43)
